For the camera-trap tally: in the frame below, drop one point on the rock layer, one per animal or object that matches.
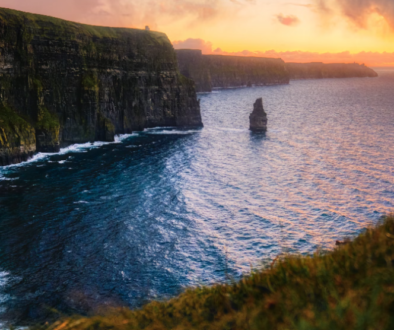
(258, 118)
(217, 71)
(63, 83)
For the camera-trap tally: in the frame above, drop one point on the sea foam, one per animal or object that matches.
(75, 148)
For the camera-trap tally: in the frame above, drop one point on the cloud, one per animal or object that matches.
(359, 11)
(288, 20)
(204, 46)
(322, 6)
(128, 13)
(375, 59)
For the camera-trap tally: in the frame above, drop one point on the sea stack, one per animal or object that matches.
(258, 118)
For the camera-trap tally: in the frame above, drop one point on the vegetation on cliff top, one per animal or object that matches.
(54, 27)
(351, 287)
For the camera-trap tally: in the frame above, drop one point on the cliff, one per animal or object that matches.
(218, 71)
(319, 70)
(192, 65)
(63, 83)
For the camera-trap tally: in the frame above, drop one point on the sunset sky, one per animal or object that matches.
(299, 30)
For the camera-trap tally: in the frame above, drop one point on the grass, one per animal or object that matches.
(52, 26)
(15, 131)
(351, 287)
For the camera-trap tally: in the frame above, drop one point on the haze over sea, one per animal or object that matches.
(142, 218)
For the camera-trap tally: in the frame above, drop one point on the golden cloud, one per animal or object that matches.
(358, 11)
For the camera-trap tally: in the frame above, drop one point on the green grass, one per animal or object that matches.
(48, 121)
(52, 26)
(351, 287)
(10, 119)
(14, 130)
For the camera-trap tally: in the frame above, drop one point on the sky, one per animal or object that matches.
(295, 30)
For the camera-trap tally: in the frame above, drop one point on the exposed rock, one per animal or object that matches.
(258, 118)
(218, 71)
(63, 83)
(192, 65)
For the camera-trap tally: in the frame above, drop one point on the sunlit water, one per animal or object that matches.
(123, 223)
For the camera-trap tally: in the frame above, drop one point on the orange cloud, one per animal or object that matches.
(128, 13)
(288, 20)
(359, 11)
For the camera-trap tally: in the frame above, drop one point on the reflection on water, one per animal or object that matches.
(120, 224)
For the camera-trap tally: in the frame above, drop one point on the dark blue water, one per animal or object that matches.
(120, 224)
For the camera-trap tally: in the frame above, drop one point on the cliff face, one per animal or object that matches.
(63, 83)
(217, 71)
(319, 70)
(192, 64)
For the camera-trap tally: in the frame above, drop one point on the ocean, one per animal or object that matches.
(123, 223)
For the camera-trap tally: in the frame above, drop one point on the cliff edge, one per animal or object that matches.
(63, 83)
(219, 71)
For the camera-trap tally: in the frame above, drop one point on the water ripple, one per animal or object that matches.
(141, 218)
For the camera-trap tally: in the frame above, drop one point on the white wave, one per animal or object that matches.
(74, 148)
(175, 132)
(5, 169)
(3, 178)
(81, 202)
(3, 278)
(121, 137)
(159, 128)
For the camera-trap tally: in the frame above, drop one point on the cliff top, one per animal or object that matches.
(51, 26)
(236, 57)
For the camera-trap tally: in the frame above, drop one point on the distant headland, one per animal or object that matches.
(220, 71)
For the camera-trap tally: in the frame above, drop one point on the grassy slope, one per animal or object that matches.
(55, 27)
(351, 287)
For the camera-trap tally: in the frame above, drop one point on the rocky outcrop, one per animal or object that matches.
(63, 83)
(218, 71)
(258, 118)
(319, 70)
